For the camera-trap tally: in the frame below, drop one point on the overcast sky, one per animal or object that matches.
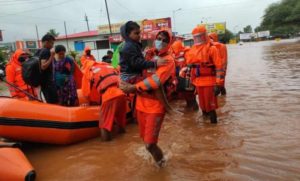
(19, 17)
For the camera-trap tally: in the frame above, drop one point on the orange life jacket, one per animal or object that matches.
(88, 90)
(104, 76)
(223, 53)
(148, 103)
(207, 65)
(98, 77)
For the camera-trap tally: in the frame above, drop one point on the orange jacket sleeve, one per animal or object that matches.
(82, 60)
(225, 57)
(161, 75)
(217, 60)
(10, 78)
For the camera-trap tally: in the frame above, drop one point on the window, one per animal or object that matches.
(102, 44)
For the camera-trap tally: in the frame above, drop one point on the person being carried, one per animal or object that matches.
(132, 61)
(14, 75)
(150, 109)
(63, 77)
(46, 57)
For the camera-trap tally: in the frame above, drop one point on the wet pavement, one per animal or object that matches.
(257, 137)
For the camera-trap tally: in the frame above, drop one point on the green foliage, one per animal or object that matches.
(53, 32)
(3, 56)
(226, 37)
(2, 59)
(248, 29)
(75, 56)
(282, 18)
(116, 55)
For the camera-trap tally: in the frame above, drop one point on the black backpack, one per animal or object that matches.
(31, 71)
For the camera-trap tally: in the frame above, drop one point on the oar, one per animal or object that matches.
(16, 87)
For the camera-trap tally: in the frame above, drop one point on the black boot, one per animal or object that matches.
(105, 135)
(223, 91)
(213, 117)
(205, 114)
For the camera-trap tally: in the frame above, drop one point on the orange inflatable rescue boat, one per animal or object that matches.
(34, 121)
(14, 165)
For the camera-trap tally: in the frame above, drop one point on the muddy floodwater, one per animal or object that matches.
(257, 137)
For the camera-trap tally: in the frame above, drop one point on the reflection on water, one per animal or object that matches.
(257, 138)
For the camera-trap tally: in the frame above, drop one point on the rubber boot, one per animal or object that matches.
(30, 176)
(205, 114)
(223, 91)
(213, 117)
(105, 135)
(195, 105)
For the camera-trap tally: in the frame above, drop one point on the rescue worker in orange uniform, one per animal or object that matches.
(86, 56)
(179, 51)
(207, 71)
(104, 81)
(223, 52)
(150, 110)
(14, 75)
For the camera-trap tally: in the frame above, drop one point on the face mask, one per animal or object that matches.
(200, 39)
(22, 59)
(158, 44)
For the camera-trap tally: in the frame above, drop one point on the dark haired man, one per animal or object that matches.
(46, 56)
(107, 58)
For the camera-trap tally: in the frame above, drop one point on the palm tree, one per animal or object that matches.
(53, 32)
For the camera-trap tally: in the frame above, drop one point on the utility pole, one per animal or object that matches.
(37, 35)
(174, 11)
(87, 22)
(108, 18)
(66, 35)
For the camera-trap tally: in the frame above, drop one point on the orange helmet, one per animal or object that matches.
(199, 29)
(213, 36)
(200, 35)
(87, 48)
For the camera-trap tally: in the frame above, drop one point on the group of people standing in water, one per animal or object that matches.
(144, 82)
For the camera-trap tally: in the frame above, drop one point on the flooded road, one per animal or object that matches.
(257, 137)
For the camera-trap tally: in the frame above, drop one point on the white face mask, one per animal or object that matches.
(158, 44)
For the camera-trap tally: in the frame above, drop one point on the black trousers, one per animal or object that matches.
(50, 92)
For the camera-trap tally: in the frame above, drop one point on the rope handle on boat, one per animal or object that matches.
(10, 145)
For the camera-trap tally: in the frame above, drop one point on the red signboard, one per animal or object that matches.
(156, 25)
(149, 29)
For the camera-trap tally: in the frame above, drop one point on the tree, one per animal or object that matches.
(282, 18)
(53, 32)
(257, 29)
(248, 29)
(226, 37)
